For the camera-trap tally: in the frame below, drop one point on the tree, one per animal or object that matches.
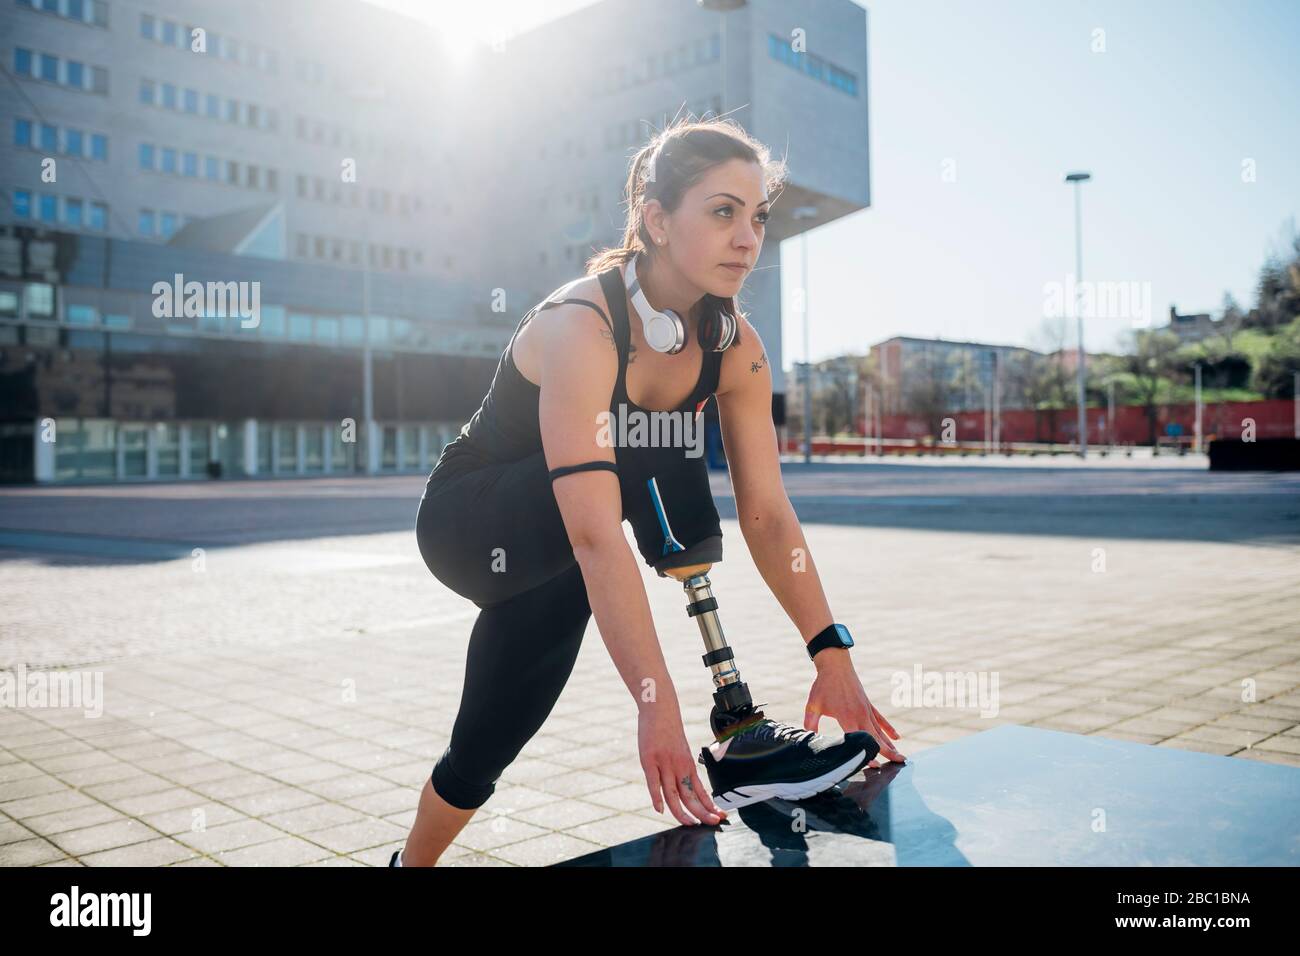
(1275, 375)
(929, 390)
(1152, 357)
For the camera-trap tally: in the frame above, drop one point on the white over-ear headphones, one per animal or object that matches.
(665, 331)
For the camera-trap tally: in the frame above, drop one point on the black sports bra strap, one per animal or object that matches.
(611, 283)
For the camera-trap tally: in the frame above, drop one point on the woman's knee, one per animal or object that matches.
(456, 789)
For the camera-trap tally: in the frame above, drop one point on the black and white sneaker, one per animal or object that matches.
(756, 758)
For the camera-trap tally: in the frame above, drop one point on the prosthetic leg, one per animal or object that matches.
(690, 565)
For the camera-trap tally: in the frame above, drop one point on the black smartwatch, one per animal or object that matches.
(836, 635)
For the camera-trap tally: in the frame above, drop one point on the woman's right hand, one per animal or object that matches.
(670, 767)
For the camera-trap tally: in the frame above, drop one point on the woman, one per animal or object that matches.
(523, 512)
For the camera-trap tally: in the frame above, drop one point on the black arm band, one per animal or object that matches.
(585, 466)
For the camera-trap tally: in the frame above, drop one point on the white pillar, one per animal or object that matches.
(327, 449)
(183, 432)
(250, 446)
(151, 451)
(45, 436)
(374, 446)
(300, 444)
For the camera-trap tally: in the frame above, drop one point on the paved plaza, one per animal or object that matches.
(279, 670)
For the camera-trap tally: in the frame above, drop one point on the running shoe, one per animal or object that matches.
(756, 758)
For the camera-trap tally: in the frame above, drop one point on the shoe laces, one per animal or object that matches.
(763, 727)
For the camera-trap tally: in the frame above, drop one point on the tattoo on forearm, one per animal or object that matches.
(755, 366)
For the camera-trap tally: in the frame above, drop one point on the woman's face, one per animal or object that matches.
(720, 220)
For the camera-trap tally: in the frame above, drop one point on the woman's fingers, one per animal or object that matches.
(697, 797)
(670, 794)
(883, 722)
(652, 784)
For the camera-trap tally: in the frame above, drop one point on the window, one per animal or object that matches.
(49, 138)
(39, 299)
(327, 330)
(146, 156)
(76, 74)
(146, 222)
(191, 101)
(22, 132)
(190, 164)
(272, 180)
(72, 212)
(99, 146)
(354, 330)
(82, 315)
(168, 96)
(77, 10)
(252, 181)
(232, 172)
(98, 216)
(146, 26)
(169, 33)
(299, 327)
(211, 167)
(99, 12)
(212, 104)
(232, 111)
(168, 160)
(49, 208)
(252, 118)
(99, 80)
(74, 143)
(272, 323)
(49, 68)
(167, 224)
(22, 61)
(147, 94)
(22, 204)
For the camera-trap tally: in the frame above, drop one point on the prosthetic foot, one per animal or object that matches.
(753, 757)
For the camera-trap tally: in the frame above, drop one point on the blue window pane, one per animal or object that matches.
(167, 224)
(272, 323)
(146, 26)
(73, 212)
(77, 9)
(169, 96)
(49, 68)
(147, 92)
(98, 146)
(169, 33)
(49, 137)
(168, 160)
(98, 216)
(300, 327)
(191, 101)
(145, 223)
(22, 61)
(146, 156)
(190, 164)
(213, 105)
(22, 132)
(211, 168)
(75, 143)
(49, 208)
(50, 6)
(76, 75)
(82, 315)
(22, 204)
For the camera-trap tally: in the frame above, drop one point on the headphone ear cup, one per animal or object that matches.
(726, 331)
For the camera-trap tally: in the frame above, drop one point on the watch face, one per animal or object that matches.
(845, 637)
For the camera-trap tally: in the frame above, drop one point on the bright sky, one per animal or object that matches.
(1012, 92)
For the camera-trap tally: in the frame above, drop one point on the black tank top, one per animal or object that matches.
(506, 427)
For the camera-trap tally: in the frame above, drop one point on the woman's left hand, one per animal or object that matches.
(838, 693)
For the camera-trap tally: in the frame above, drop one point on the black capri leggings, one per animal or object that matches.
(495, 535)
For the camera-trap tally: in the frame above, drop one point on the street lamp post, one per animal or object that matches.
(801, 213)
(1078, 178)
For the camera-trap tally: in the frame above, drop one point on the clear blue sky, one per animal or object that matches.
(1012, 91)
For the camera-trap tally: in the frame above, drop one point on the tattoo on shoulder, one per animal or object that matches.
(755, 366)
(631, 347)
